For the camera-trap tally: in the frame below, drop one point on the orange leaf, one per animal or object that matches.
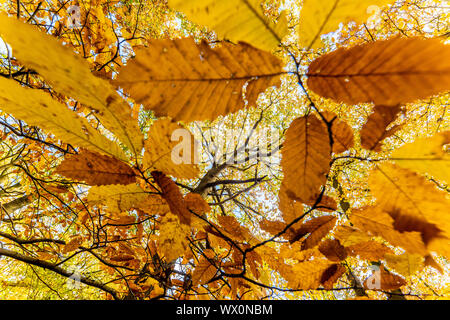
(306, 157)
(96, 169)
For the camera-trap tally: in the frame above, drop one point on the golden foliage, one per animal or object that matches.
(161, 144)
(306, 157)
(236, 20)
(189, 81)
(322, 17)
(69, 74)
(96, 169)
(417, 69)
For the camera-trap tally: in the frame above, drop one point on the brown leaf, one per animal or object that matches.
(333, 250)
(171, 193)
(306, 157)
(374, 130)
(369, 250)
(387, 72)
(72, 245)
(384, 280)
(331, 275)
(189, 81)
(96, 169)
(196, 203)
(234, 228)
(343, 138)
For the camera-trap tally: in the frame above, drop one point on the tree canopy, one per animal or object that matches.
(210, 149)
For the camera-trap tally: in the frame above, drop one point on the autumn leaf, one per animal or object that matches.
(172, 241)
(72, 245)
(171, 193)
(321, 17)
(342, 133)
(427, 156)
(236, 20)
(333, 250)
(409, 197)
(369, 250)
(331, 275)
(38, 108)
(203, 272)
(349, 236)
(232, 227)
(317, 229)
(417, 69)
(308, 275)
(196, 203)
(69, 74)
(160, 148)
(384, 280)
(374, 131)
(306, 157)
(96, 169)
(405, 264)
(196, 82)
(120, 198)
(379, 223)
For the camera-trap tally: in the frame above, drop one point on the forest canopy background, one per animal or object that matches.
(210, 149)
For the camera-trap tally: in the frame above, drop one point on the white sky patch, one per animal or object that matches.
(5, 49)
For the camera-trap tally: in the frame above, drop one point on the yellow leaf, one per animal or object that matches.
(415, 67)
(189, 81)
(172, 239)
(236, 20)
(162, 143)
(379, 223)
(39, 109)
(349, 236)
(70, 75)
(415, 203)
(324, 16)
(427, 156)
(405, 264)
(374, 131)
